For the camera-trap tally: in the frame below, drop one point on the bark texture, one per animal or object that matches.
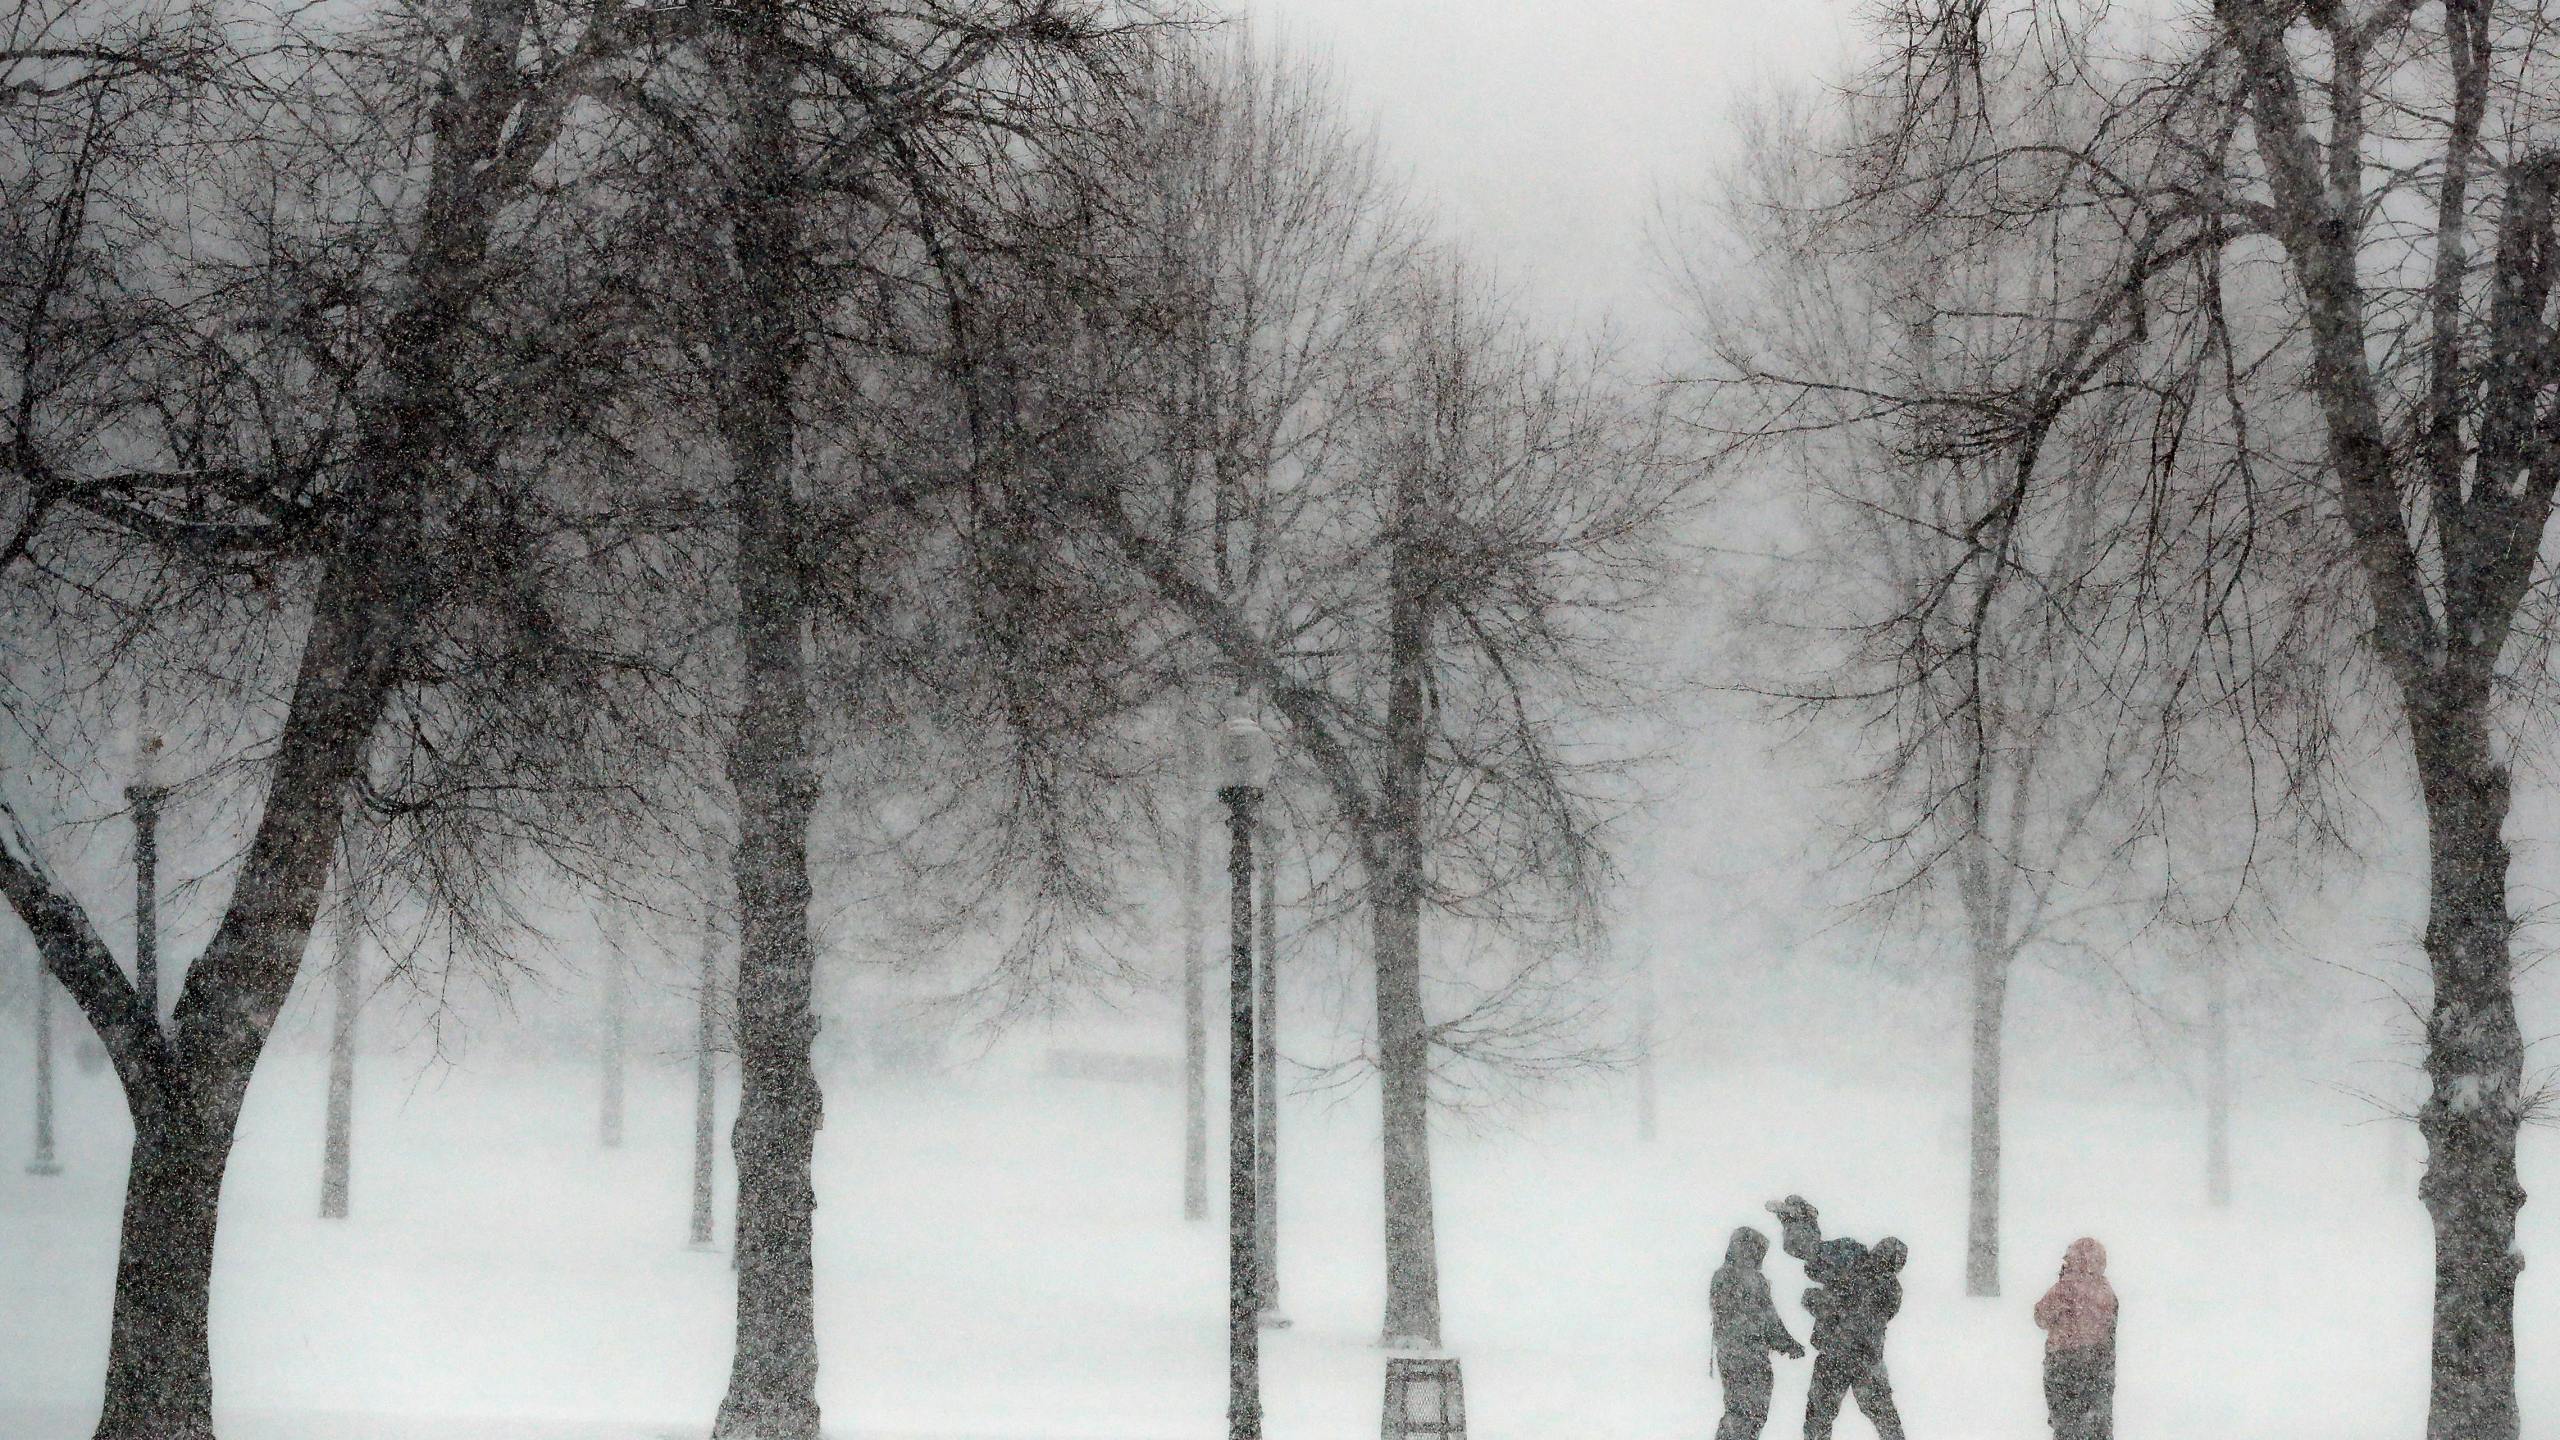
(1982, 1214)
(2475, 1073)
(773, 1379)
(705, 1076)
(159, 1364)
(1404, 1031)
(2485, 524)
(338, 1139)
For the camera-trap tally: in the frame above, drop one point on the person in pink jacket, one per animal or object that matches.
(2078, 1316)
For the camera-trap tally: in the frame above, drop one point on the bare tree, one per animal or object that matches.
(1994, 785)
(2315, 287)
(821, 171)
(270, 495)
(1411, 551)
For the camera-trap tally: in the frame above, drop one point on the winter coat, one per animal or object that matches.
(1859, 1289)
(2080, 1310)
(1745, 1319)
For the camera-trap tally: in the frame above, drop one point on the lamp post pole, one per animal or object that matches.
(144, 795)
(1245, 767)
(43, 1163)
(1266, 1088)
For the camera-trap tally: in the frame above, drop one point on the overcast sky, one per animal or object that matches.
(1541, 133)
(1543, 129)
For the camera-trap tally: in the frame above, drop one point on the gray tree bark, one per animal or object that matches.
(1982, 1214)
(2475, 1072)
(773, 1378)
(1404, 1032)
(338, 1138)
(2486, 522)
(706, 1037)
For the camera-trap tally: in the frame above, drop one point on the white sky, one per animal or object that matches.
(1542, 130)
(1541, 133)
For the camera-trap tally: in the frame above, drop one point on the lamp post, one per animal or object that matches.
(1266, 1089)
(145, 795)
(1244, 769)
(43, 1162)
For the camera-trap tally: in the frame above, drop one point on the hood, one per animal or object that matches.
(2085, 1257)
(1748, 1247)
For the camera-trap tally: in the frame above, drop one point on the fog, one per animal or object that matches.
(1006, 720)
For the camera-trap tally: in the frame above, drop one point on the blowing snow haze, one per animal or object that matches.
(1034, 719)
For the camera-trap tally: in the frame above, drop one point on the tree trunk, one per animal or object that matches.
(705, 1079)
(1195, 1001)
(184, 1083)
(2217, 1088)
(159, 1363)
(338, 1138)
(1404, 1035)
(184, 1088)
(43, 1161)
(1982, 1225)
(616, 1024)
(1266, 1083)
(773, 1380)
(2475, 1071)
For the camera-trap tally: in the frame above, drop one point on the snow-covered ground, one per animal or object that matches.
(1002, 1255)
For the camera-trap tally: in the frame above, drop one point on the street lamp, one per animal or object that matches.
(1244, 770)
(144, 795)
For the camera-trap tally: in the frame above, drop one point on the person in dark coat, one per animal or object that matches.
(1857, 1291)
(1747, 1329)
(2078, 1316)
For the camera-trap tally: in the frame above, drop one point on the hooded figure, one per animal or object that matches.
(1858, 1290)
(1747, 1328)
(2078, 1316)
